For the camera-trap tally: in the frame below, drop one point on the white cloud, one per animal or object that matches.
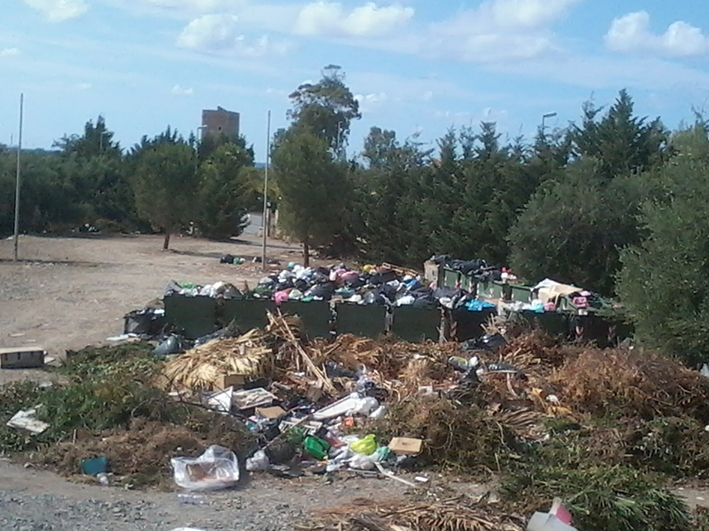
(178, 90)
(59, 10)
(83, 86)
(526, 13)
(9, 52)
(221, 34)
(332, 19)
(369, 102)
(631, 34)
(497, 30)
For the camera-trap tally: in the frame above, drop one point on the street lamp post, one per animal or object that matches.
(545, 116)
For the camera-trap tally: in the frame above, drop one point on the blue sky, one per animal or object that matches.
(415, 65)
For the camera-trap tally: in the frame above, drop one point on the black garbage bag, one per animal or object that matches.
(227, 259)
(147, 322)
(171, 345)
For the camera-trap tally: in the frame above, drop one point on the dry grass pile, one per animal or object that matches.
(631, 383)
(140, 455)
(459, 514)
(462, 438)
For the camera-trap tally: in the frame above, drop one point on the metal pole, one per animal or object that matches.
(264, 219)
(17, 181)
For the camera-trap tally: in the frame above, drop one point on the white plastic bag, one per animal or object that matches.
(364, 406)
(363, 462)
(259, 462)
(217, 468)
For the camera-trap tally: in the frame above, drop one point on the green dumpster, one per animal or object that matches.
(469, 325)
(553, 323)
(361, 320)
(417, 324)
(315, 315)
(451, 278)
(248, 313)
(193, 316)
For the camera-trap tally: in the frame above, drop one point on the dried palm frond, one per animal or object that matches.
(201, 367)
(459, 514)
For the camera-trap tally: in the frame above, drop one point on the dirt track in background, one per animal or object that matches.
(67, 293)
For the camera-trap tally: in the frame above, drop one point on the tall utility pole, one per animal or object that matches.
(17, 180)
(264, 218)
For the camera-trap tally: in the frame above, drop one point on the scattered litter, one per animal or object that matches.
(252, 398)
(217, 468)
(406, 446)
(27, 420)
(221, 400)
(192, 499)
(22, 358)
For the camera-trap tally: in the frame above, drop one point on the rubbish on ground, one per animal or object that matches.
(704, 371)
(22, 358)
(393, 476)
(272, 413)
(103, 479)
(147, 322)
(339, 408)
(171, 345)
(547, 522)
(560, 511)
(422, 479)
(229, 380)
(258, 462)
(123, 338)
(406, 446)
(27, 420)
(192, 499)
(316, 447)
(221, 400)
(252, 398)
(217, 468)
(365, 446)
(311, 426)
(94, 466)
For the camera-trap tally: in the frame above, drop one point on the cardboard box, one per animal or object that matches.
(22, 358)
(271, 413)
(405, 446)
(230, 380)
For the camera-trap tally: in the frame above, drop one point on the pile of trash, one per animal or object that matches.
(379, 405)
(385, 285)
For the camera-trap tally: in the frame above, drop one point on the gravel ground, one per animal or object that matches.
(33, 500)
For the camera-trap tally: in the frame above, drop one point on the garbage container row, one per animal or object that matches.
(198, 316)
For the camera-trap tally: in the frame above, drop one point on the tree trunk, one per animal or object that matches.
(306, 252)
(166, 242)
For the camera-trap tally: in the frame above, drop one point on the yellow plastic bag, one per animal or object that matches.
(366, 446)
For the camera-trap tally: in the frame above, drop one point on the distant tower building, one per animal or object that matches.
(220, 122)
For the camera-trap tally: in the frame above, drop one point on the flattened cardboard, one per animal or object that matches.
(405, 446)
(272, 413)
(229, 380)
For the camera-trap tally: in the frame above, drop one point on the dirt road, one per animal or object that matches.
(67, 293)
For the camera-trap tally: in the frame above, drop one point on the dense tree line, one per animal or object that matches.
(164, 183)
(615, 203)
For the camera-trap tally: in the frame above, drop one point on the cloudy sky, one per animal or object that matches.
(415, 65)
